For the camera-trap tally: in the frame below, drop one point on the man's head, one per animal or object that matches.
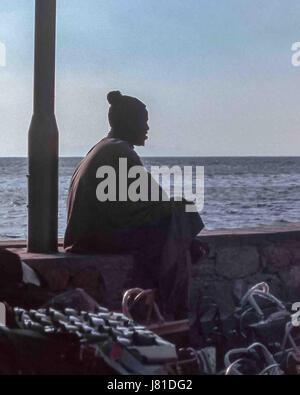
(128, 118)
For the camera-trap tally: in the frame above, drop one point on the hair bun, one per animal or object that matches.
(114, 97)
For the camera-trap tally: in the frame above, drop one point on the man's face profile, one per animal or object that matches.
(142, 132)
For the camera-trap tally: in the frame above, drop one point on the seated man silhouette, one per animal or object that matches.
(158, 233)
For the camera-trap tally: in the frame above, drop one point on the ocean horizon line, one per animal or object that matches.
(173, 156)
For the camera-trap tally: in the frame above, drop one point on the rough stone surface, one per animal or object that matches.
(278, 256)
(239, 262)
(239, 289)
(91, 281)
(295, 280)
(223, 297)
(205, 268)
(294, 248)
(56, 277)
(290, 282)
(103, 277)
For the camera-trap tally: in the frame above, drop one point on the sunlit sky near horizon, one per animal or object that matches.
(216, 75)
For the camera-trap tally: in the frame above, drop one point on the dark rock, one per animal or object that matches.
(263, 256)
(295, 281)
(205, 268)
(294, 248)
(91, 281)
(237, 262)
(224, 298)
(240, 287)
(290, 278)
(56, 277)
(284, 275)
(278, 256)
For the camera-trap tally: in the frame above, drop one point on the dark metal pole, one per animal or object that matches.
(43, 137)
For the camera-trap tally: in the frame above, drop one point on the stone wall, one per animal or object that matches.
(104, 277)
(239, 259)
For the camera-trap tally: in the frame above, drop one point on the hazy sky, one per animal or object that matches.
(216, 75)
